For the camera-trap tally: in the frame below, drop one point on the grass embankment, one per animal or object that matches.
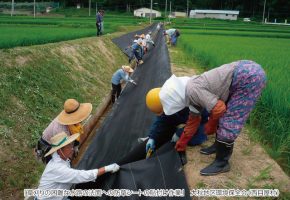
(35, 81)
(211, 47)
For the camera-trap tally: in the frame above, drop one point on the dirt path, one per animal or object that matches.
(251, 166)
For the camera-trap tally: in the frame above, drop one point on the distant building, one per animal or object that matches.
(145, 12)
(178, 14)
(216, 14)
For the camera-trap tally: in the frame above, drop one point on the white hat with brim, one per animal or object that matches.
(60, 140)
(74, 112)
(172, 95)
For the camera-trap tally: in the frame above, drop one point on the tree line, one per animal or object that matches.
(279, 9)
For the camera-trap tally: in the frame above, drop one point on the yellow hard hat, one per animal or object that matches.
(153, 101)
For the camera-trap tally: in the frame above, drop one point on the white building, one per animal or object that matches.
(216, 14)
(145, 12)
(178, 14)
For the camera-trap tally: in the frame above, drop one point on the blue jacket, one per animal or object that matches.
(168, 123)
(99, 18)
(119, 75)
(137, 50)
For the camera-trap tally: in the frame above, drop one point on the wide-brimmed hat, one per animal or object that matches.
(74, 112)
(60, 140)
(127, 68)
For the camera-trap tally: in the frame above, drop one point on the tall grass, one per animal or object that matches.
(25, 31)
(272, 112)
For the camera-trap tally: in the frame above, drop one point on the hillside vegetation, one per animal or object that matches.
(35, 81)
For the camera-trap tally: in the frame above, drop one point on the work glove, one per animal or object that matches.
(133, 82)
(215, 114)
(189, 130)
(174, 138)
(76, 151)
(112, 168)
(150, 145)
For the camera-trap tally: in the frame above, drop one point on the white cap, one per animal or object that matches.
(172, 94)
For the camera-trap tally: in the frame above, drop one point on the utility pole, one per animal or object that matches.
(264, 11)
(89, 7)
(170, 11)
(12, 8)
(34, 8)
(165, 9)
(151, 11)
(187, 9)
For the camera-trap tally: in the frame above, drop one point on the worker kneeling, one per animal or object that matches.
(58, 173)
(173, 125)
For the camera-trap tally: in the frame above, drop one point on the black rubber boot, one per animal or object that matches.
(209, 150)
(221, 164)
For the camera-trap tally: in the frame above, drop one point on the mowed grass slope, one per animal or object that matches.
(222, 42)
(34, 83)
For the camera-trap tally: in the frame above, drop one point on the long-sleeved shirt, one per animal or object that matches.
(165, 124)
(119, 75)
(205, 90)
(59, 175)
(137, 50)
(170, 32)
(148, 39)
(54, 128)
(99, 18)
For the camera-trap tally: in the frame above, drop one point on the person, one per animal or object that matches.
(170, 126)
(58, 173)
(118, 76)
(69, 121)
(228, 93)
(165, 128)
(172, 35)
(149, 40)
(137, 51)
(99, 22)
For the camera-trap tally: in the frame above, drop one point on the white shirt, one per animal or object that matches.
(148, 37)
(58, 174)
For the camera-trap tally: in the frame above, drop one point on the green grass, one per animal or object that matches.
(223, 42)
(34, 83)
(26, 31)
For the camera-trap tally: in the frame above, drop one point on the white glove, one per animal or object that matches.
(174, 138)
(133, 82)
(112, 168)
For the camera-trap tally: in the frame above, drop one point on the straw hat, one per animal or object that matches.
(60, 140)
(142, 36)
(127, 68)
(74, 112)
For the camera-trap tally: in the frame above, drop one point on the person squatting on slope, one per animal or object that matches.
(149, 40)
(58, 173)
(68, 121)
(99, 22)
(167, 127)
(118, 76)
(137, 51)
(228, 93)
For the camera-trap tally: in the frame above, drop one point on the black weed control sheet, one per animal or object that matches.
(129, 119)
